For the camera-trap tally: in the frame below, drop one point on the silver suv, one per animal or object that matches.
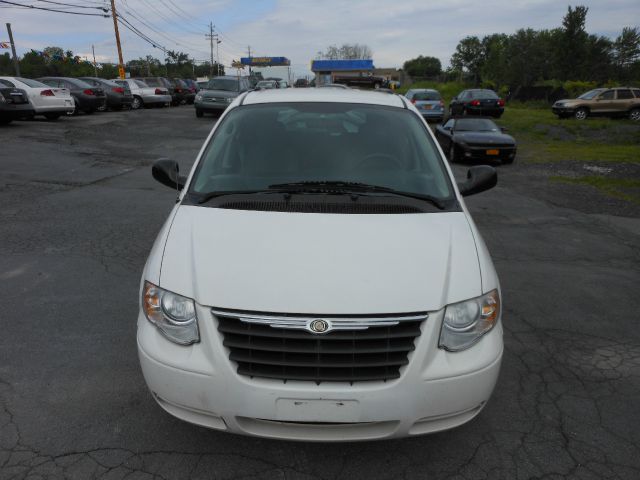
(216, 96)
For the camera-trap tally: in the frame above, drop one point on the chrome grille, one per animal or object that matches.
(356, 348)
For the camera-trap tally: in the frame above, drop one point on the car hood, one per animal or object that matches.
(218, 93)
(320, 263)
(484, 137)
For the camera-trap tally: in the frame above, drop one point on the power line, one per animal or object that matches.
(72, 5)
(33, 7)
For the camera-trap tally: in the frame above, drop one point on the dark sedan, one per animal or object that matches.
(14, 104)
(87, 97)
(188, 92)
(118, 96)
(475, 139)
(477, 101)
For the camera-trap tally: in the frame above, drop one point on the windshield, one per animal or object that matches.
(426, 96)
(227, 84)
(475, 125)
(590, 94)
(261, 145)
(32, 83)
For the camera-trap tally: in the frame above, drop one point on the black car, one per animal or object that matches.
(477, 101)
(301, 83)
(183, 90)
(176, 97)
(475, 139)
(14, 104)
(87, 97)
(118, 96)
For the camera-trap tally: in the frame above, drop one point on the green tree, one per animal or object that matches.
(469, 57)
(495, 67)
(572, 52)
(6, 65)
(423, 67)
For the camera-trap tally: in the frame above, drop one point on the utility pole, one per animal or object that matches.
(95, 67)
(13, 50)
(210, 36)
(115, 26)
(249, 50)
(218, 42)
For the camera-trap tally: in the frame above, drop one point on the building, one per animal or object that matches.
(342, 71)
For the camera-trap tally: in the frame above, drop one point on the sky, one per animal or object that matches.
(296, 29)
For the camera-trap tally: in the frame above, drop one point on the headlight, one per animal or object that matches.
(465, 322)
(173, 314)
(198, 97)
(229, 100)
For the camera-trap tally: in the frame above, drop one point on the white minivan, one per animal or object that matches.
(320, 277)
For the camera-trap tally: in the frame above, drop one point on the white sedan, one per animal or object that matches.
(47, 101)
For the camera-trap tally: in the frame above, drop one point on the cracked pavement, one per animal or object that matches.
(79, 212)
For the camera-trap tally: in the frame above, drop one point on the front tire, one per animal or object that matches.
(634, 115)
(581, 114)
(136, 103)
(102, 108)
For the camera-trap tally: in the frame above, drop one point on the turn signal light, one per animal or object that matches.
(46, 93)
(88, 91)
(501, 103)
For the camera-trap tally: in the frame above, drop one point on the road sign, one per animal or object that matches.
(5, 45)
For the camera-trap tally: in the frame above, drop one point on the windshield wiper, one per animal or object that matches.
(353, 187)
(205, 197)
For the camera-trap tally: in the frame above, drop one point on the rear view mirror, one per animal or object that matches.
(479, 179)
(167, 172)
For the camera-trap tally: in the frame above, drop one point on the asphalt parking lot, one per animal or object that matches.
(79, 212)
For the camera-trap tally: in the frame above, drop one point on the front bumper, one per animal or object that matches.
(437, 390)
(480, 153)
(562, 110)
(211, 105)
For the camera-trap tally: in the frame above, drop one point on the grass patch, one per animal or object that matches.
(623, 188)
(542, 137)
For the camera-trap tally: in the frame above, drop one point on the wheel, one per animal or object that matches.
(452, 153)
(581, 114)
(136, 103)
(52, 116)
(199, 113)
(634, 114)
(103, 107)
(376, 86)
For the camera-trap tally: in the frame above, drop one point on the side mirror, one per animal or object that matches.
(479, 179)
(167, 172)
(504, 129)
(447, 127)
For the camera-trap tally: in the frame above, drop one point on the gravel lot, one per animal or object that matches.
(79, 212)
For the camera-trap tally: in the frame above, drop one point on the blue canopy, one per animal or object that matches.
(340, 65)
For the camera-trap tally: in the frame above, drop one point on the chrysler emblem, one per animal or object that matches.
(319, 326)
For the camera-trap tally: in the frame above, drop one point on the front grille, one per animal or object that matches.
(350, 353)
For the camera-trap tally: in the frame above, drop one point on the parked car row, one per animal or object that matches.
(53, 97)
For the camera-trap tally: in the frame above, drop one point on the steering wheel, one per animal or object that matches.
(379, 161)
